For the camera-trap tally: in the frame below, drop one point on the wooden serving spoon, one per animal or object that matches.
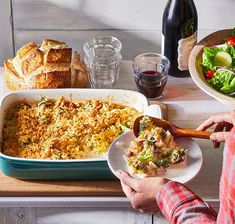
(174, 130)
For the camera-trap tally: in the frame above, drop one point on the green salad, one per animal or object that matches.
(218, 65)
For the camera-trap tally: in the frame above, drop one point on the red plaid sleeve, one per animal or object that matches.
(180, 205)
(227, 182)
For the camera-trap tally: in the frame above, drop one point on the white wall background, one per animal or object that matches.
(137, 23)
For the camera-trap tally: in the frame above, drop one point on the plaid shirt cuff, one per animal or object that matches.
(171, 196)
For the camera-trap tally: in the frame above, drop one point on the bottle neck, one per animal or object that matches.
(180, 2)
(176, 7)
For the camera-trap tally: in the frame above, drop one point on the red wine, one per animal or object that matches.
(151, 72)
(151, 83)
(179, 34)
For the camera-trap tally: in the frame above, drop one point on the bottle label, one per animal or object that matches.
(184, 48)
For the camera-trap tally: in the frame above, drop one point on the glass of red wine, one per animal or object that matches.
(150, 74)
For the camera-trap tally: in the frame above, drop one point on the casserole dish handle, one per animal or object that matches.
(156, 109)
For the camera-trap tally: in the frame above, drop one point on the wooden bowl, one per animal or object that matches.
(195, 67)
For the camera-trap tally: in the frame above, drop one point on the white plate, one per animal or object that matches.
(181, 172)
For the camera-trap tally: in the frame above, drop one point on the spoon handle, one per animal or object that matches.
(192, 133)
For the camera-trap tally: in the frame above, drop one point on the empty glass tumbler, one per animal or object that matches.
(103, 60)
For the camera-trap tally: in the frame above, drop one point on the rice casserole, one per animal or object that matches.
(62, 129)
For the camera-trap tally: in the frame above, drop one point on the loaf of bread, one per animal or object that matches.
(49, 65)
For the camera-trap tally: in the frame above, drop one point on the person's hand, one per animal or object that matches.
(223, 122)
(141, 192)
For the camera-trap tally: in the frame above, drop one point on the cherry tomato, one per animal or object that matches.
(73, 105)
(231, 41)
(209, 74)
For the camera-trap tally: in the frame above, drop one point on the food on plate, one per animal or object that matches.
(218, 65)
(49, 65)
(153, 150)
(63, 129)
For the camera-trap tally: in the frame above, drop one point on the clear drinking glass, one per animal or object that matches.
(150, 74)
(103, 60)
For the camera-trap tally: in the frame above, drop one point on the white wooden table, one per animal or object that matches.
(188, 106)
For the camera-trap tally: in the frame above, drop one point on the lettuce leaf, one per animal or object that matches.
(231, 51)
(208, 56)
(223, 81)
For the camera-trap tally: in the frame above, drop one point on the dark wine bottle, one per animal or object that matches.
(179, 34)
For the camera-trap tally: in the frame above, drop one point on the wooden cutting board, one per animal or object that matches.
(14, 187)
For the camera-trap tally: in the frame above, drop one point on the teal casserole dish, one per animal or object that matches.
(55, 169)
(40, 169)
